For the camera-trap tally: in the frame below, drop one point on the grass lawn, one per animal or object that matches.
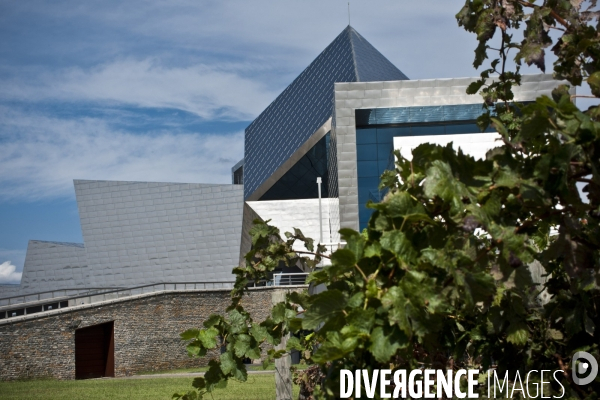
(252, 367)
(258, 387)
(271, 367)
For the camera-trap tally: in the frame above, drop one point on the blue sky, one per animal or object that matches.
(161, 90)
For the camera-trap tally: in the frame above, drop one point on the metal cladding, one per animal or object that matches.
(307, 103)
(51, 266)
(137, 233)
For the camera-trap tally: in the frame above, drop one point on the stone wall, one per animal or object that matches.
(146, 332)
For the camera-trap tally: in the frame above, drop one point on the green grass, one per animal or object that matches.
(258, 387)
(270, 367)
(175, 371)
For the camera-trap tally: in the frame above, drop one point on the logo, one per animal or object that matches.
(584, 368)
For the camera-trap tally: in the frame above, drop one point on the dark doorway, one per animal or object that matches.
(95, 351)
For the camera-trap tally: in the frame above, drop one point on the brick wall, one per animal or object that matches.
(146, 333)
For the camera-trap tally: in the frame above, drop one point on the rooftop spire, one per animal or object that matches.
(348, 13)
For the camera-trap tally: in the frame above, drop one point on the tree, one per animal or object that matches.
(441, 276)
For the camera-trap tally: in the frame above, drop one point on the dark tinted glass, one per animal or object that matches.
(238, 176)
(375, 132)
(300, 182)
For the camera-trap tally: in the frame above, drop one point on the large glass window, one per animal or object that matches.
(375, 132)
(300, 182)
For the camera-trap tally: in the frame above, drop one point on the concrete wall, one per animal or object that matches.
(289, 214)
(146, 332)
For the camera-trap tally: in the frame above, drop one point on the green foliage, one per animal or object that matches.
(441, 276)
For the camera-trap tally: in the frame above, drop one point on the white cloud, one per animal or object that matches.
(218, 60)
(158, 46)
(8, 274)
(40, 156)
(422, 38)
(216, 91)
(17, 257)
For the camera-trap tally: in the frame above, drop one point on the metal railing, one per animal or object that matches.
(91, 296)
(47, 295)
(59, 294)
(145, 289)
(12, 310)
(290, 279)
(55, 299)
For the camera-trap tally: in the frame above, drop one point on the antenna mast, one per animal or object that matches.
(348, 13)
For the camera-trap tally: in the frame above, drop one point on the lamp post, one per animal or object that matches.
(320, 213)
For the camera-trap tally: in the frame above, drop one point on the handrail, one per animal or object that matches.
(91, 298)
(101, 293)
(111, 290)
(291, 273)
(52, 291)
(293, 278)
(158, 284)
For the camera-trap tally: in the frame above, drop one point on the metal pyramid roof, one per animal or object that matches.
(307, 103)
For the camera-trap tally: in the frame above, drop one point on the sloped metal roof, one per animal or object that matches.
(51, 266)
(307, 103)
(137, 233)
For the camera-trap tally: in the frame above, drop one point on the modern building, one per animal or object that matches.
(339, 120)
(342, 118)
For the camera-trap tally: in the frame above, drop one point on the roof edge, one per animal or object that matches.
(349, 30)
(82, 181)
(290, 162)
(70, 244)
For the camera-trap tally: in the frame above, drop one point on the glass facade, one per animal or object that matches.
(375, 132)
(300, 182)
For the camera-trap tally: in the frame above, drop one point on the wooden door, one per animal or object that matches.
(94, 351)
